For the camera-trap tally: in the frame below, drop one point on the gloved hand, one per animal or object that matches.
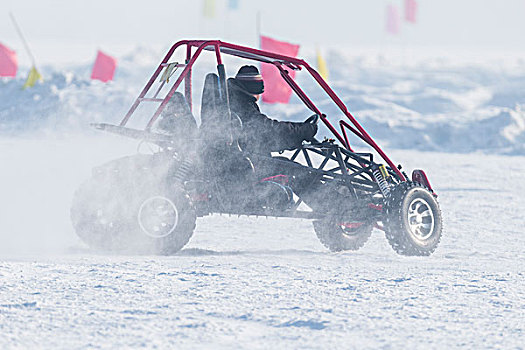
(308, 131)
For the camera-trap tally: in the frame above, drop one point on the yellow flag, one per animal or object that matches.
(209, 8)
(32, 78)
(322, 67)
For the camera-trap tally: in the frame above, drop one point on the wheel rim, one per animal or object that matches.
(420, 219)
(158, 216)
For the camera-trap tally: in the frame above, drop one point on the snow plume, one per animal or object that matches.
(39, 176)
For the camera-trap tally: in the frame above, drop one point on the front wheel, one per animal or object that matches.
(412, 220)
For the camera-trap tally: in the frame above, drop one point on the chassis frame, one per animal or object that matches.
(357, 171)
(362, 192)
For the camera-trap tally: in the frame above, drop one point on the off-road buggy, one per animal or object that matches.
(150, 202)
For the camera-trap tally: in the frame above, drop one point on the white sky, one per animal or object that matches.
(60, 28)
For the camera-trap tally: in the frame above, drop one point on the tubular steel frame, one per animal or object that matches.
(281, 62)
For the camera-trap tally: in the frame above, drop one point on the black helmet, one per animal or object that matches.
(250, 79)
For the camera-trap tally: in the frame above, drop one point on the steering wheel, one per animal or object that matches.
(313, 119)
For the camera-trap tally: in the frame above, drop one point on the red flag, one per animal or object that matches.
(275, 88)
(392, 20)
(410, 10)
(8, 62)
(104, 67)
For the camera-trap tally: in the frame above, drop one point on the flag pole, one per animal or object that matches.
(22, 38)
(258, 29)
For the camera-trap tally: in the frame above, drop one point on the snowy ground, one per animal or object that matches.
(260, 283)
(268, 283)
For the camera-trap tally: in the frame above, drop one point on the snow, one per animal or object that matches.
(263, 283)
(268, 283)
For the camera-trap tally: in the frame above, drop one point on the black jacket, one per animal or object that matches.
(260, 133)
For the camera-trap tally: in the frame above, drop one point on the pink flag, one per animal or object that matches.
(410, 10)
(8, 62)
(104, 67)
(275, 88)
(392, 20)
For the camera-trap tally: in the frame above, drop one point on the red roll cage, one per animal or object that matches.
(281, 62)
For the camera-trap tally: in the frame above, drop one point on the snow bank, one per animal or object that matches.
(447, 104)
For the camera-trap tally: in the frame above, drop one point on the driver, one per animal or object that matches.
(262, 135)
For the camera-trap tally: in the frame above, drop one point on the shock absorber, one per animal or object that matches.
(379, 172)
(182, 172)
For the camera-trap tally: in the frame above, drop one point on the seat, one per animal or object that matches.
(215, 126)
(177, 119)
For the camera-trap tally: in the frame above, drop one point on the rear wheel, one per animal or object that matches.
(132, 211)
(412, 220)
(342, 236)
(164, 222)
